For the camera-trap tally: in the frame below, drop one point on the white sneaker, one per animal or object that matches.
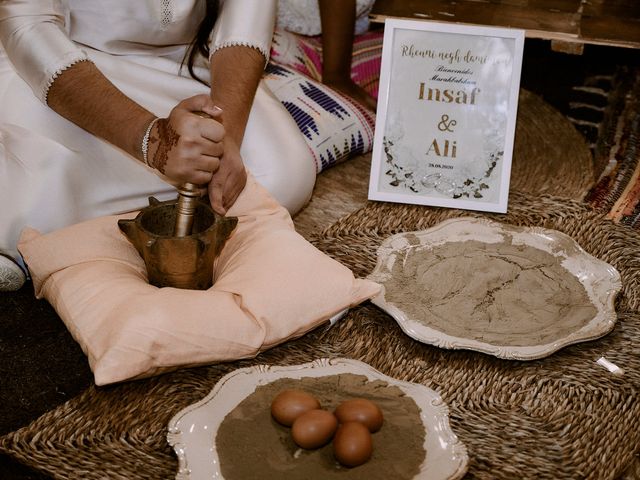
(12, 277)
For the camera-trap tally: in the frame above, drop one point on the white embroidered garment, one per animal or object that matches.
(52, 173)
(303, 16)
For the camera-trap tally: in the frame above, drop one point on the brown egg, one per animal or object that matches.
(290, 404)
(360, 410)
(352, 444)
(314, 428)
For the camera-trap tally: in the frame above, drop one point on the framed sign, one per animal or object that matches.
(446, 116)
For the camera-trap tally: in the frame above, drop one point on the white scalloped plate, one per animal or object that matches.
(191, 432)
(600, 280)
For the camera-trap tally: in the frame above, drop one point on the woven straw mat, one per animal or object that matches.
(563, 416)
(549, 155)
(559, 417)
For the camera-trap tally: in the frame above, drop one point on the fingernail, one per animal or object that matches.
(215, 110)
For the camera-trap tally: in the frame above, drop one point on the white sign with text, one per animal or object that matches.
(446, 117)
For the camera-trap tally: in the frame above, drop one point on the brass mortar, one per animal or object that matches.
(178, 260)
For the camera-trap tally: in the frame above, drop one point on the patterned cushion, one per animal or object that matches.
(304, 55)
(335, 127)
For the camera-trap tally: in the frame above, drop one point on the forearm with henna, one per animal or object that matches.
(84, 96)
(184, 146)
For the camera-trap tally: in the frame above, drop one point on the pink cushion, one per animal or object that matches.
(270, 285)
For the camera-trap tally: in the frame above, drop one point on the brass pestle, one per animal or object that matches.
(179, 239)
(188, 196)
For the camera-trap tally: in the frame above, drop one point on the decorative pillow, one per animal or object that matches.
(335, 127)
(270, 285)
(304, 55)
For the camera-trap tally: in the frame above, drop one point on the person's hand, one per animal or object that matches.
(186, 147)
(229, 180)
(349, 88)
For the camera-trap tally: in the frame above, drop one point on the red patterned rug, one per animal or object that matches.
(617, 192)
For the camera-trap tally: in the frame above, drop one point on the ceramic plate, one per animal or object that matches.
(513, 292)
(192, 431)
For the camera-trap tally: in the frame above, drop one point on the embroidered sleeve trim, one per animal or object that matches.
(67, 61)
(242, 43)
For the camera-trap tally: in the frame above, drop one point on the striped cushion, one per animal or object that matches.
(304, 55)
(335, 127)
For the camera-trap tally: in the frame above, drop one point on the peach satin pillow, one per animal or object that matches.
(270, 285)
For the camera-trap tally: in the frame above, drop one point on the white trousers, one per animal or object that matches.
(54, 174)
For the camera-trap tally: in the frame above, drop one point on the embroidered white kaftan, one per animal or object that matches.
(53, 173)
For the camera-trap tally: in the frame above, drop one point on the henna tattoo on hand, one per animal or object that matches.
(167, 138)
